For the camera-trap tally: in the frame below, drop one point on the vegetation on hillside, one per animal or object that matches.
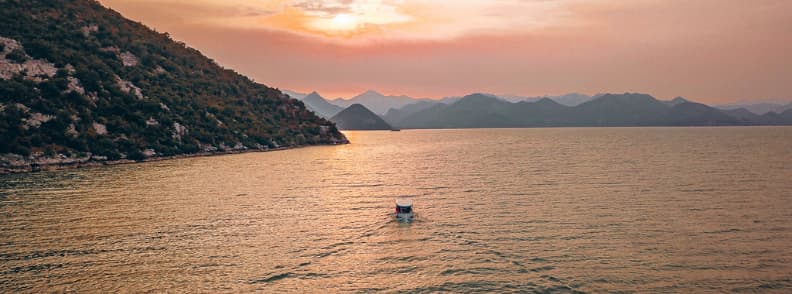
(77, 78)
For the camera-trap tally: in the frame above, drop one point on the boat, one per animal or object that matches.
(404, 211)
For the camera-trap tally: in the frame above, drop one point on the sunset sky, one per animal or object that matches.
(713, 51)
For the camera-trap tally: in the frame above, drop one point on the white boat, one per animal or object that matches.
(404, 209)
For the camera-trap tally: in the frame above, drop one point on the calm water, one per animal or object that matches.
(547, 210)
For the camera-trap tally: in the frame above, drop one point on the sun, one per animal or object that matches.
(344, 22)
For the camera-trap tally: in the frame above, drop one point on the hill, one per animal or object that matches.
(320, 106)
(358, 117)
(80, 82)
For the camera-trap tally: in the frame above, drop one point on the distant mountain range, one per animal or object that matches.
(382, 104)
(373, 100)
(377, 102)
(571, 99)
(490, 111)
(629, 109)
(758, 108)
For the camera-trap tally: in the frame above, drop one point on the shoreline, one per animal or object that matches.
(72, 163)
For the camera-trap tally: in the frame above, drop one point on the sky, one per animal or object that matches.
(712, 51)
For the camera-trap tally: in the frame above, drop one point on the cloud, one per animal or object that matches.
(323, 8)
(373, 19)
(707, 50)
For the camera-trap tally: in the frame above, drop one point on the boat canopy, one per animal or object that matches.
(403, 202)
(403, 209)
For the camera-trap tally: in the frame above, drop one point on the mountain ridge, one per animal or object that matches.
(320, 105)
(628, 109)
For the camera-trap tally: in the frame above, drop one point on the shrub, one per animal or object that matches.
(17, 55)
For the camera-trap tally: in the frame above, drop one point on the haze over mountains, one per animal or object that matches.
(489, 111)
(320, 106)
(758, 108)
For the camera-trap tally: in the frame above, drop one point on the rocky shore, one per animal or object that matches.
(15, 163)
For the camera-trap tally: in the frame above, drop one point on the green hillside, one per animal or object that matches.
(77, 79)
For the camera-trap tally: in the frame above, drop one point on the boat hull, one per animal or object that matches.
(404, 216)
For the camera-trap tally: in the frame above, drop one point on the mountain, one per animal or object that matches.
(628, 109)
(697, 114)
(320, 106)
(377, 102)
(783, 108)
(743, 115)
(395, 116)
(472, 111)
(572, 99)
(758, 108)
(294, 94)
(358, 117)
(543, 112)
(80, 82)
(676, 101)
(775, 118)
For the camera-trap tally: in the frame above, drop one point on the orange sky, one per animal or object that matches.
(713, 51)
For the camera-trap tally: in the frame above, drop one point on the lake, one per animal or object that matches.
(498, 210)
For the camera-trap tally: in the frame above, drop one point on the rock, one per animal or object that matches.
(22, 107)
(9, 45)
(207, 148)
(129, 87)
(99, 128)
(72, 131)
(8, 69)
(38, 67)
(149, 153)
(33, 69)
(70, 69)
(87, 30)
(179, 131)
(212, 116)
(128, 59)
(74, 86)
(36, 119)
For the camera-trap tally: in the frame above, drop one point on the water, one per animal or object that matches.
(546, 210)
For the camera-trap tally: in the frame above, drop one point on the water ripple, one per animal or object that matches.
(552, 211)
